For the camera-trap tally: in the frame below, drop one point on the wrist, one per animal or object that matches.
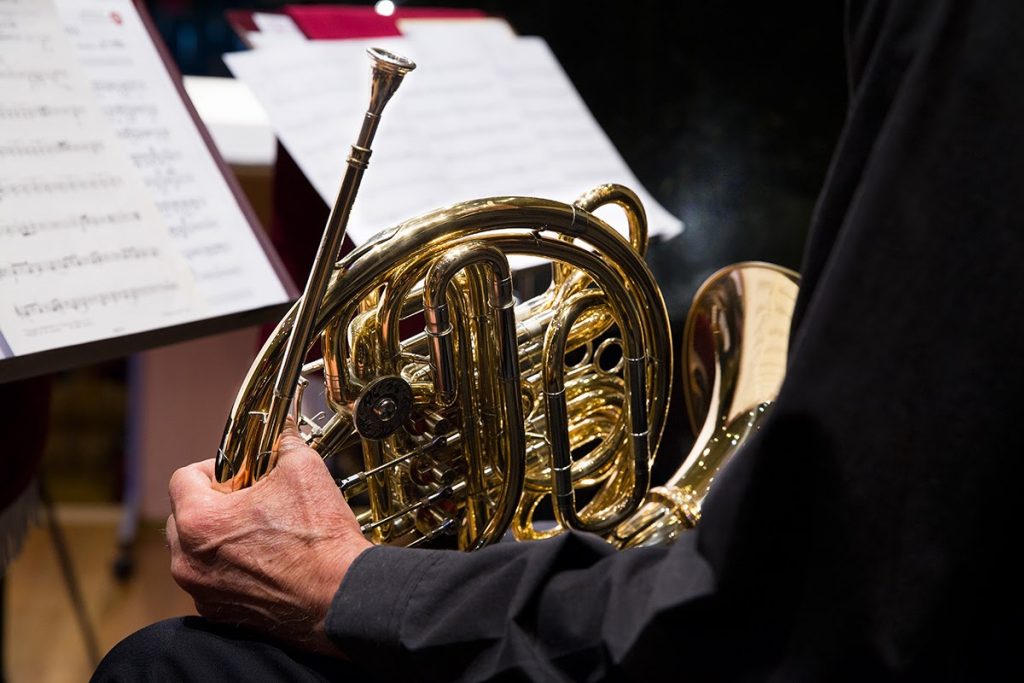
(334, 567)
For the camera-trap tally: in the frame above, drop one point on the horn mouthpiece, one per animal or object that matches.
(387, 73)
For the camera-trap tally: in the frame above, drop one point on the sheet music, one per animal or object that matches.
(578, 153)
(143, 106)
(83, 252)
(458, 129)
(274, 29)
(481, 30)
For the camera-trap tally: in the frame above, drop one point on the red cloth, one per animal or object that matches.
(329, 22)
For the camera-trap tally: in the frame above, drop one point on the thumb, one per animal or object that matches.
(289, 440)
(292, 450)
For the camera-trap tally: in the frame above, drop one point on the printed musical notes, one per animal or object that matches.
(18, 269)
(34, 112)
(57, 185)
(114, 217)
(35, 78)
(34, 309)
(145, 110)
(56, 148)
(84, 254)
(124, 113)
(83, 222)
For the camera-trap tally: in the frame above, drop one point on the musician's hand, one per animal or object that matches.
(269, 557)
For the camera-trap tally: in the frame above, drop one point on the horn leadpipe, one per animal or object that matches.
(387, 73)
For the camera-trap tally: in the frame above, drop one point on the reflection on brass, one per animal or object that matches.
(737, 338)
(462, 430)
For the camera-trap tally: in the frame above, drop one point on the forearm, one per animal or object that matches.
(570, 606)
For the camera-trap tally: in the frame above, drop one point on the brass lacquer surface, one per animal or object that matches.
(458, 433)
(478, 476)
(737, 339)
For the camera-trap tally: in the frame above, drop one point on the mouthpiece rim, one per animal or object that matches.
(390, 61)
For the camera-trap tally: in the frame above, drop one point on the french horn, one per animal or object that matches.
(495, 414)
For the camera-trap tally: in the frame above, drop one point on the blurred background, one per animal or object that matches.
(727, 112)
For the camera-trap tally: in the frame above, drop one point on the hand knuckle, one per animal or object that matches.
(175, 482)
(185, 521)
(181, 571)
(191, 527)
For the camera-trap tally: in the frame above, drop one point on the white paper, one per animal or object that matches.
(235, 119)
(578, 154)
(83, 252)
(461, 126)
(144, 108)
(480, 30)
(274, 29)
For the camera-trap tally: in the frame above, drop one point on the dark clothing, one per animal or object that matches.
(24, 416)
(866, 532)
(193, 649)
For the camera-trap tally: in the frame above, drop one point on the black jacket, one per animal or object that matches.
(868, 531)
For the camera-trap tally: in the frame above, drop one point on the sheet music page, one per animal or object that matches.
(84, 254)
(316, 114)
(449, 135)
(579, 154)
(455, 131)
(142, 105)
(274, 29)
(482, 30)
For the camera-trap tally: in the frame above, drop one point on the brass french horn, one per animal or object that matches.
(496, 409)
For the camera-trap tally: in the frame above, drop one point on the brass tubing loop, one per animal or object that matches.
(455, 432)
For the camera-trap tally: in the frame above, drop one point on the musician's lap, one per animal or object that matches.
(193, 649)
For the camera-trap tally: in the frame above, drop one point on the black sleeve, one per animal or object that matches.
(868, 531)
(565, 607)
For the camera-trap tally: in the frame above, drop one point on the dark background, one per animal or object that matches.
(726, 111)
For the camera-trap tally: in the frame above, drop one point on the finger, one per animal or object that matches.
(192, 483)
(290, 440)
(293, 452)
(206, 467)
